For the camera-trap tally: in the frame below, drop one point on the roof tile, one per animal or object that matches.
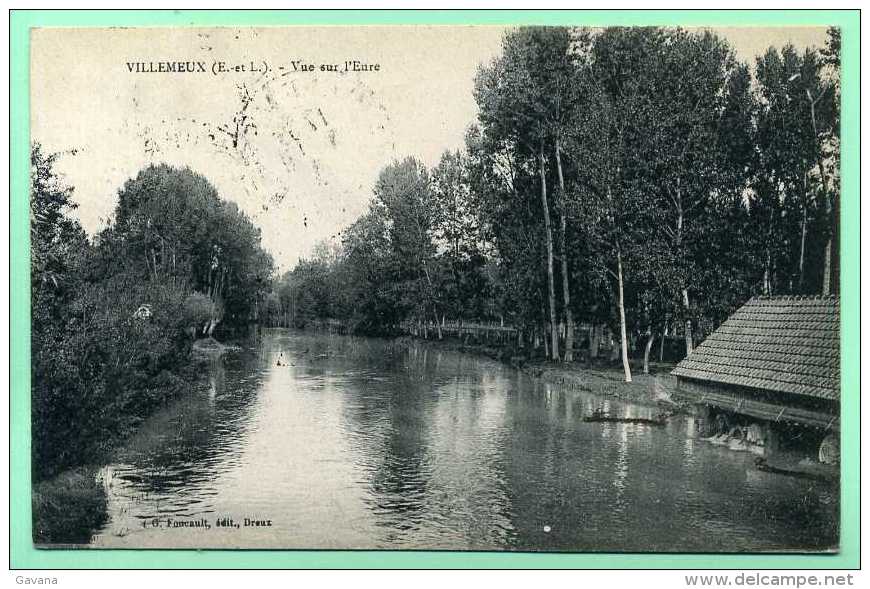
(785, 344)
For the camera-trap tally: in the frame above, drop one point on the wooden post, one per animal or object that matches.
(704, 420)
(595, 341)
(829, 449)
(772, 440)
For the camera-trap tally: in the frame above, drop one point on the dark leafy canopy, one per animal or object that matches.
(173, 226)
(465, 287)
(388, 266)
(714, 180)
(678, 120)
(113, 320)
(798, 168)
(57, 241)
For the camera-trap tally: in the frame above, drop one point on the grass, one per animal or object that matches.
(601, 377)
(68, 508)
(209, 346)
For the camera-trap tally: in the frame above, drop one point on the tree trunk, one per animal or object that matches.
(662, 343)
(431, 296)
(826, 280)
(685, 291)
(803, 238)
(623, 337)
(646, 350)
(803, 250)
(689, 343)
(164, 260)
(544, 338)
(548, 232)
(566, 293)
(594, 341)
(154, 260)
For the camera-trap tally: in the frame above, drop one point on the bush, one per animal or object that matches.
(198, 311)
(97, 375)
(68, 508)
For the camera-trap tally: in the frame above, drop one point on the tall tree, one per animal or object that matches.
(525, 98)
(171, 225)
(798, 146)
(403, 195)
(698, 95)
(457, 235)
(609, 207)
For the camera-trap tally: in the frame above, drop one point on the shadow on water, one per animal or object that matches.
(173, 460)
(346, 442)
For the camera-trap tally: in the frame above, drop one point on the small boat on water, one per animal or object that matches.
(825, 477)
(601, 417)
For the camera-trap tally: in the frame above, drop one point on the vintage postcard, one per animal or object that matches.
(501, 288)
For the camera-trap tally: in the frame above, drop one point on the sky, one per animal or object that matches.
(299, 151)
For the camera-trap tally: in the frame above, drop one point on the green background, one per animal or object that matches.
(24, 555)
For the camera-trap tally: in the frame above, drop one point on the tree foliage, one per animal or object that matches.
(113, 320)
(644, 161)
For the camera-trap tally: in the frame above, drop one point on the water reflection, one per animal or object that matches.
(345, 442)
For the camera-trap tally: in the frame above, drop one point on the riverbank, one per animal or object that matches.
(209, 346)
(70, 506)
(441, 438)
(655, 389)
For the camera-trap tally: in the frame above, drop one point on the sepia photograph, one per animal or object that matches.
(417, 287)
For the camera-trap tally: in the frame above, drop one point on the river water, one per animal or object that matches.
(360, 443)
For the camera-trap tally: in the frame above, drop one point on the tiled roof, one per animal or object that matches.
(788, 344)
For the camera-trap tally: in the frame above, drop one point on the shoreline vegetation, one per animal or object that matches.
(601, 377)
(639, 180)
(211, 347)
(123, 322)
(656, 389)
(68, 508)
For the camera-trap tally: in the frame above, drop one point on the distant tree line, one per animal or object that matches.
(114, 317)
(638, 178)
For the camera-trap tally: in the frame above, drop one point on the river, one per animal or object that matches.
(331, 441)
